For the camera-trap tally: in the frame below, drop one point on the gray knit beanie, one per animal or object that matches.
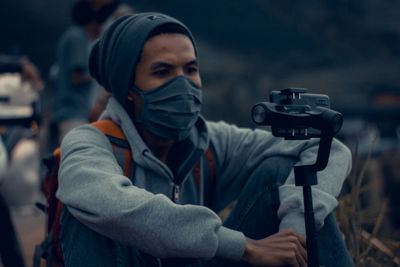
(114, 56)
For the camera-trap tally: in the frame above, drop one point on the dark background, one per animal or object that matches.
(347, 49)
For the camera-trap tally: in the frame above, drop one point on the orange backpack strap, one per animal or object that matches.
(119, 143)
(51, 244)
(110, 128)
(50, 184)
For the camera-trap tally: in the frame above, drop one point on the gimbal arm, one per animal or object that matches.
(292, 122)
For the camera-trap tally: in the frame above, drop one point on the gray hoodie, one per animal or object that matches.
(139, 212)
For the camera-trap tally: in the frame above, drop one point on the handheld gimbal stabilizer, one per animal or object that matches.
(296, 115)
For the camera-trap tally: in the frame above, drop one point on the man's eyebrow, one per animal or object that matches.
(160, 64)
(193, 62)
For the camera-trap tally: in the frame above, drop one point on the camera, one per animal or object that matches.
(295, 114)
(299, 97)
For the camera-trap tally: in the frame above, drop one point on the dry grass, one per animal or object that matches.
(363, 217)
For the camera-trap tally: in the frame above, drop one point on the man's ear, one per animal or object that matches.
(133, 103)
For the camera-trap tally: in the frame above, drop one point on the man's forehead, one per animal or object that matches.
(169, 45)
(164, 38)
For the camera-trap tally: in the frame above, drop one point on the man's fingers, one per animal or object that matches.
(301, 239)
(301, 250)
(298, 243)
(284, 247)
(289, 232)
(301, 261)
(302, 256)
(304, 253)
(301, 253)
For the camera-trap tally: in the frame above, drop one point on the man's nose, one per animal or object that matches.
(180, 72)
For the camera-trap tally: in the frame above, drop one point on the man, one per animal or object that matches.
(160, 216)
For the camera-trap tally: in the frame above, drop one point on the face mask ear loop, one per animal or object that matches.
(131, 105)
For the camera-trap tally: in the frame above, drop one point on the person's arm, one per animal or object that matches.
(93, 188)
(239, 151)
(72, 54)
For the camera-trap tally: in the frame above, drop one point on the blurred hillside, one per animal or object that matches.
(347, 49)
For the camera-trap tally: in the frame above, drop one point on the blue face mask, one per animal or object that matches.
(171, 110)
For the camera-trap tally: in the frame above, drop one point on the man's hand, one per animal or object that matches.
(285, 248)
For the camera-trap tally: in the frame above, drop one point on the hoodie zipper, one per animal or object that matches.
(175, 193)
(176, 188)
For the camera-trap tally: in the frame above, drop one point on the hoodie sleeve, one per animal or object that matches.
(92, 186)
(238, 151)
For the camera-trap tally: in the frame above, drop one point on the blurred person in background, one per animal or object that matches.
(74, 88)
(160, 214)
(14, 173)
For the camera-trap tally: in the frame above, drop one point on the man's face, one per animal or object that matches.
(164, 57)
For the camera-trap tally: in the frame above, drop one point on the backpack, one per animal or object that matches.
(50, 248)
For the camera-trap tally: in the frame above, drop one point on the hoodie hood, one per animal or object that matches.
(196, 143)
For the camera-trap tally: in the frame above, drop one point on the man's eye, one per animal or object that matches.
(162, 72)
(192, 70)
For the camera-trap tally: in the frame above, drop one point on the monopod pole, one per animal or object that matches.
(312, 248)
